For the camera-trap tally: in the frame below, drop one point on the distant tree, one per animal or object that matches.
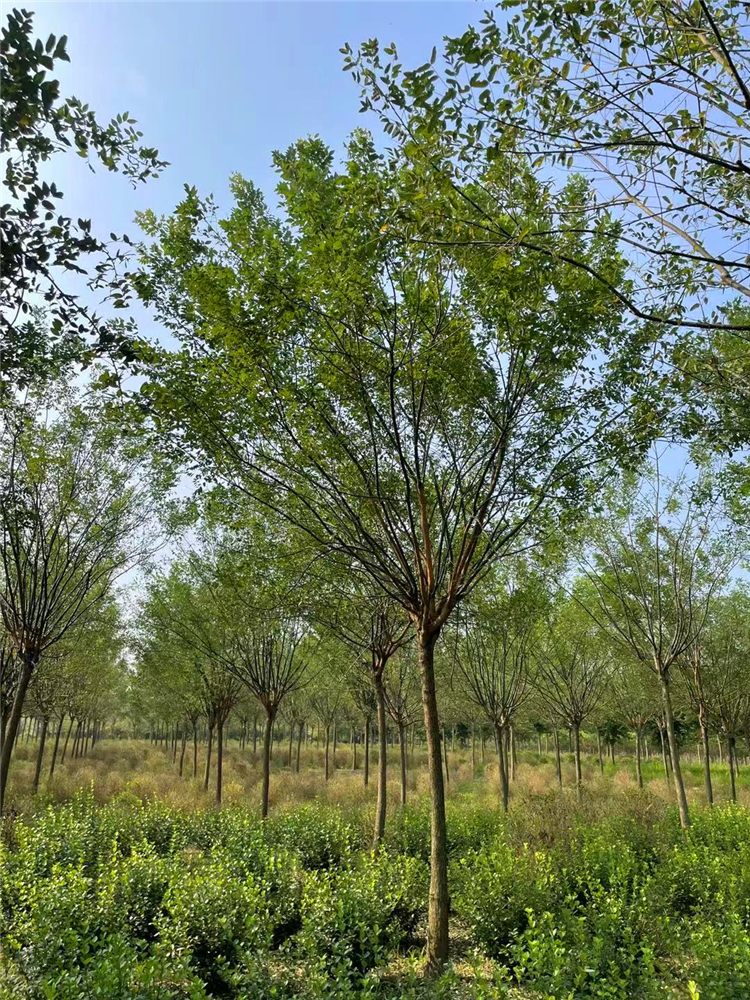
(572, 673)
(655, 572)
(76, 507)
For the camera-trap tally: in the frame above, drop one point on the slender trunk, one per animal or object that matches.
(195, 749)
(75, 752)
(706, 759)
(579, 775)
(40, 754)
(367, 751)
(445, 751)
(482, 742)
(512, 742)
(255, 735)
(473, 747)
(381, 804)
(679, 784)
(182, 750)
(300, 731)
(502, 765)
(558, 762)
(326, 751)
(353, 740)
(335, 744)
(219, 758)
(664, 751)
(638, 766)
(599, 752)
(67, 737)
(402, 749)
(439, 902)
(11, 729)
(55, 747)
(291, 743)
(266, 763)
(732, 760)
(208, 757)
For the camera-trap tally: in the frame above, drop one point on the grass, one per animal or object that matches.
(124, 882)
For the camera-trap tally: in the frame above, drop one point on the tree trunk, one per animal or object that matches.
(367, 751)
(599, 751)
(732, 761)
(182, 750)
(402, 749)
(638, 767)
(208, 757)
(382, 802)
(473, 747)
(299, 744)
(219, 758)
(67, 737)
(335, 744)
(291, 743)
(353, 740)
(439, 903)
(679, 784)
(502, 766)
(266, 763)
(40, 753)
(255, 735)
(326, 751)
(558, 762)
(195, 750)
(57, 744)
(11, 729)
(706, 759)
(577, 750)
(445, 751)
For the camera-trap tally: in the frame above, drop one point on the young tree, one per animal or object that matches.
(494, 658)
(413, 410)
(655, 573)
(403, 703)
(75, 508)
(572, 673)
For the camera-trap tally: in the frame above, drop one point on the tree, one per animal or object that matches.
(413, 411)
(403, 703)
(572, 673)
(636, 695)
(40, 246)
(495, 661)
(76, 505)
(725, 652)
(655, 573)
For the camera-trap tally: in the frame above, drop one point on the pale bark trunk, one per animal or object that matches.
(558, 762)
(502, 766)
(299, 745)
(638, 766)
(219, 759)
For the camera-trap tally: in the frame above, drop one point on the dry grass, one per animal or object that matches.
(138, 770)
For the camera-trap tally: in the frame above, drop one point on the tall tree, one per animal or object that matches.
(413, 411)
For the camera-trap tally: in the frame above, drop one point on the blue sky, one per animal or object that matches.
(218, 86)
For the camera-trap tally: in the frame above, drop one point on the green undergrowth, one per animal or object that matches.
(133, 901)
